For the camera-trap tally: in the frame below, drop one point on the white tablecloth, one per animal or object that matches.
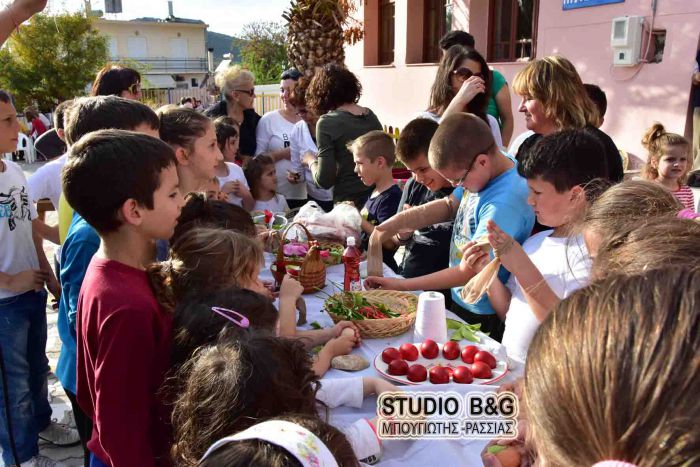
(398, 453)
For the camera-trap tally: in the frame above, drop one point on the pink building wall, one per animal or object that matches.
(636, 97)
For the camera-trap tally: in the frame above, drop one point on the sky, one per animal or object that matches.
(224, 16)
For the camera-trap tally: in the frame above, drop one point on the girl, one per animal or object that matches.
(117, 80)
(231, 178)
(200, 211)
(630, 399)
(275, 443)
(667, 163)
(462, 84)
(262, 177)
(193, 137)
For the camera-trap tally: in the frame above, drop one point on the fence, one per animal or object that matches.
(264, 102)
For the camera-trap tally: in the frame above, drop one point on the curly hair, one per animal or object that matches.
(236, 383)
(656, 140)
(332, 86)
(228, 79)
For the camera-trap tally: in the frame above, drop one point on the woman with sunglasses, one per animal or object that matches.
(117, 80)
(237, 86)
(462, 84)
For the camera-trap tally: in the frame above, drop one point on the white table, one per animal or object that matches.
(398, 453)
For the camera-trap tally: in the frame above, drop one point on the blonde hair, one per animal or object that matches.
(204, 260)
(656, 140)
(613, 373)
(555, 82)
(228, 79)
(374, 144)
(458, 139)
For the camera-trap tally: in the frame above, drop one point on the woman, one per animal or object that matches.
(462, 84)
(553, 99)
(333, 93)
(273, 138)
(238, 88)
(117, 80)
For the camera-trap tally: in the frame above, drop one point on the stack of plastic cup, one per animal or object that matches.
(430, 318)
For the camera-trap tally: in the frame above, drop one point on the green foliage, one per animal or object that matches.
(263, 50)
(51, 59)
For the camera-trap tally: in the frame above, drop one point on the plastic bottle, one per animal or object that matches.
(351, 260)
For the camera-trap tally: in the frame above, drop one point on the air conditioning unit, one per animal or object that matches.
(626, 40)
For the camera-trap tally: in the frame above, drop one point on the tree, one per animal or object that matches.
(51, 59)
(263, 50)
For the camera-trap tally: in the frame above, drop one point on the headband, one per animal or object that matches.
(612, 463)
(297, 440)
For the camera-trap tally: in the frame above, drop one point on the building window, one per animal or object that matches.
(386, 32)
(513, 30)
(434, 27)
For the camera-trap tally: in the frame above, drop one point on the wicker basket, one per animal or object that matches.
(331, 260)
(312, 275)
(399, 302)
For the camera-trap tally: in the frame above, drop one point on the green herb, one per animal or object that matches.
(315, 325)
(355, 307)
(317, 349)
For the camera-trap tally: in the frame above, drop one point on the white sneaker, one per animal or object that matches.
(60, 435)
(42, 461)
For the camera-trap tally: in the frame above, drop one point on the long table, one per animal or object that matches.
(421, 452)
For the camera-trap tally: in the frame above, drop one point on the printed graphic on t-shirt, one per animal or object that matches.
(460, 234)
(285, 138)
(14, 206)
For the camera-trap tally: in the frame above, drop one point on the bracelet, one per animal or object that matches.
(401, 241)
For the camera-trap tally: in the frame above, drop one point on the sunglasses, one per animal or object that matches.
(465, 73)
(250, 92)
(134, 88)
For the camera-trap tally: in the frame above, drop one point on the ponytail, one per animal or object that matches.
(656, 141)
(160, 276)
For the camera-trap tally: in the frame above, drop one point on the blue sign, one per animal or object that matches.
(573, 4)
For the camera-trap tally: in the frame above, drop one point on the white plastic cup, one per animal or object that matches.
(430, 318)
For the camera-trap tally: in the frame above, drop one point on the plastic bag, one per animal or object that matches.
(336, 226)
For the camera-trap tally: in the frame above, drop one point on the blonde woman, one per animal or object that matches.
(553, 99)
(237, 87)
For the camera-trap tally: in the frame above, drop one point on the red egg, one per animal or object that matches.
(481, 370)
(450, 350)
(390, 354)
(409, 352)
(462, 375)
(398, 367)
(439, 375)
(429, 349)
(417, 373)
(468, 353)
(484, 356)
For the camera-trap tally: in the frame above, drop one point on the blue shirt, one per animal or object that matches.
(81, 244)
(503, 200)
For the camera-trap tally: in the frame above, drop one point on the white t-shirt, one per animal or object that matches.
(46, 181)
(493, 124)
(515, 144)
(565, 265)
(17, 251)
(272, 134)
(277, 204)
(235, 173)
(302, 142)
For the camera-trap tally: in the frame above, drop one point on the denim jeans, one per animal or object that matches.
(23, 344)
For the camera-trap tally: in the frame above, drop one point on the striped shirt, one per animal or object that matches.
(685, 196)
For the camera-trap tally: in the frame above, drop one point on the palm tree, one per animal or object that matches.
(317, 31)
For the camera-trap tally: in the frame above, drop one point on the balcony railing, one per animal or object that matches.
(169, 65)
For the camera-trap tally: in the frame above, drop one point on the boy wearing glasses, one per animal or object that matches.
(487, 187)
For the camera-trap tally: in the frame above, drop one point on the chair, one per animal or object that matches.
(26, 145)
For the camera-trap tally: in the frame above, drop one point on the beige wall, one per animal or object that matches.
(158, 37)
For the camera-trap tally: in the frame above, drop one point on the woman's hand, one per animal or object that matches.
(470, 88)
(308, 158)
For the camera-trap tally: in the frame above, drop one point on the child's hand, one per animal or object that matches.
(338, 329)
(474, 256)
(27, 280)
(290, 288)
(384, 283)
(233, 186)
(339, 346)
(380, 385)
(505, 248)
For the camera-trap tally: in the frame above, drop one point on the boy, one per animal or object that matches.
(24, 270)
(427, 249)
(551, 264)
(124, 335)
(464, 152)
(82, 241)
(373, 154)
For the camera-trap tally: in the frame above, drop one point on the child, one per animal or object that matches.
(373, 154)
(595, 356)
(286, 440)
(237, 382)
(24, 270)
(124, 335)
(200, 211)
(233, 183)
(427, 249)
(262, 178)
(667, 163)
(464, 153)
(82, 240)
(551, 264)
(193, 138)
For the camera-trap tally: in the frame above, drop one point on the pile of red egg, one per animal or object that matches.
(481, 362)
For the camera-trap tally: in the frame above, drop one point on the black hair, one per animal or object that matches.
(598, 97)
(253, 170)
(108, 167)
(225, 128)
(292, 74)
(181, 126)
(186, 99)
(458, 37)
(112, 80)
(88, 114)
(5, 97)
(200, 211)
(196, 325)
(414, 139)
(59, 114)
(566, 159)
(332, 86)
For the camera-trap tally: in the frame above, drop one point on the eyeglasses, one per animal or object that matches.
(250, 92)
(456, 183)
(134, 88)
(465, 73)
